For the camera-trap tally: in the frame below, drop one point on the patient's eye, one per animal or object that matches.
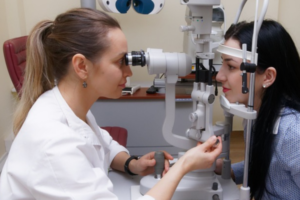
(231, 67)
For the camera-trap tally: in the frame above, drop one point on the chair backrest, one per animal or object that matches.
(119, 134)
(15, 57)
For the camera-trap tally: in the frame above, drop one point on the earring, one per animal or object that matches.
(264, 86)
(84, 84)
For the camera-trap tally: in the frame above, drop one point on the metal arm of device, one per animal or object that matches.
(172, 65)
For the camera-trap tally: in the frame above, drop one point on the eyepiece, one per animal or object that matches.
(135, 58)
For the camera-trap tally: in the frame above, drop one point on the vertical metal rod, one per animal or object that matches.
(238, 14)
(251, 99)
(210, 61)
(244, 48)
(197, 69)
(88, 4)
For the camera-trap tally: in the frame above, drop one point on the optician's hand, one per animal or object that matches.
(145, 165)
(200, 157)
(203, 155)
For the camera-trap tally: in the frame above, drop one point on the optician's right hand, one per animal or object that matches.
(202, 156)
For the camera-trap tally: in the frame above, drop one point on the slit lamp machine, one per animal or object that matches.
(204, 19)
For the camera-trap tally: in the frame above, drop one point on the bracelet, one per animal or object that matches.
(126, 166)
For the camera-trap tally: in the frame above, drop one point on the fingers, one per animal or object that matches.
(167, 165)
(166, 168)
(212, 142)
(208, 143)
(213, 145)
(150, 163)
(168, 156)
(149, 155)
(147, 162)
(217, 149)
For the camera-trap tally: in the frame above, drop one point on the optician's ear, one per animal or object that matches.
(80, 66)
(269, 77)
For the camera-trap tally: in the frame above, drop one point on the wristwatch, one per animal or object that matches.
(126, 166)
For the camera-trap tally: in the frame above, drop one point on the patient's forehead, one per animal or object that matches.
(232, 43)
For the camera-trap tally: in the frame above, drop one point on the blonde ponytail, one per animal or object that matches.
(38, 76)
(51, 46)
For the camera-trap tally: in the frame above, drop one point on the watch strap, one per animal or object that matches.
(126, 165)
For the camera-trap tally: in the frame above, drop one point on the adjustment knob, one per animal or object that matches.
(159, 165)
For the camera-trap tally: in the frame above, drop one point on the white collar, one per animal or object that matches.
(88, 131)
(276, 125)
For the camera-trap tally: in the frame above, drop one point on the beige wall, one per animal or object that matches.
(6, 99)
(17, 18)
(288, 15)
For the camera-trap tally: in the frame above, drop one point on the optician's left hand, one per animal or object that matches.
(145, 165)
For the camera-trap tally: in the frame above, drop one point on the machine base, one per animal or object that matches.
(195, 185)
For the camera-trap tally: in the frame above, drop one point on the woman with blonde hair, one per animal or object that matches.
(59, 151)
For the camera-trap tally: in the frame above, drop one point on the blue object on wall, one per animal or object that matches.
(143, 6)
(123, 5)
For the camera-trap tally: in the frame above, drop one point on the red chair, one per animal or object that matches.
(15, 57)
(119, 134)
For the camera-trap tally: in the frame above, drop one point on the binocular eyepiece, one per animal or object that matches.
(135, 58)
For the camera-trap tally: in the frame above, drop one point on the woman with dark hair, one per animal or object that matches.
(59, 151)
(274, 169)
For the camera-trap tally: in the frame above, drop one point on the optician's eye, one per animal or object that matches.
(122, 61)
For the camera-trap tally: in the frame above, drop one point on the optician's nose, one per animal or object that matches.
(127, 71)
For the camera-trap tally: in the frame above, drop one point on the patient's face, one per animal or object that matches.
(230, 76)
(231, 79)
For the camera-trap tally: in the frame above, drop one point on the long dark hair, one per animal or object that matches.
(275, 48)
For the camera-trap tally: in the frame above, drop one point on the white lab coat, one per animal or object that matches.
(58, 156)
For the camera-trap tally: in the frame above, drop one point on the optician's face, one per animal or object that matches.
(110, 70)
(230, 76)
